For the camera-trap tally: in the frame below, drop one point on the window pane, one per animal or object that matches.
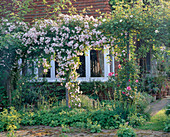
(97, 63)
(81, 69)
(28, 69)
(56, 67)
(42, 74)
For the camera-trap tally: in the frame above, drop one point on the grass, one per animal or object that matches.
(157, 122)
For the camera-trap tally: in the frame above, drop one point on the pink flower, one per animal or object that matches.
(119, 66)
(163, 61)
(136, 81)
(69, 106)
(129, 80)
(110, 74)
(127, 94)
(128, 88)
(123, 92)
(116, 74)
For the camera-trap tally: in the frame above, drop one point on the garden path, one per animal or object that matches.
(46, 131)
(158, 105)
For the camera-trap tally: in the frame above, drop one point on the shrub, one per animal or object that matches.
(107, 118)
(135, 120)
(65, 128)
(167, 125)
(72, 117)
(142, 102)
(125, 131)
(9, 120)
(94, 127)
(27, 118)
(167, 112)
(80, 125)
(88, 103)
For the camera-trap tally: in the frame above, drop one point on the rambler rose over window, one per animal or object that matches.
(94, 66)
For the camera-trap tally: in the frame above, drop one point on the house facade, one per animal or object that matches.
(95, 65)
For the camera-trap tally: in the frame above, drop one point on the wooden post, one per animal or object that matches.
(112, 61)
(67, 94)
(8, 89)
(148, 61)
(67, 98)
(128, 48)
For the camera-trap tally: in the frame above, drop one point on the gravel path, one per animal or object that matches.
(46, 131)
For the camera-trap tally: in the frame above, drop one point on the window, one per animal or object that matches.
(94, 66)
(97, 63)
(82, 69)
(42, 74)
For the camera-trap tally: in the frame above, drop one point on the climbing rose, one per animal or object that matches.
(119, 66)
(110, 74)
(123, 92)
(129, 80)
(156, 31)
(128, 88)
(136, 81)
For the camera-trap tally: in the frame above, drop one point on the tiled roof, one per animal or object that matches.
(39, 8)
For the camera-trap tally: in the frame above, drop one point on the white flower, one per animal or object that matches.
(131, 16)
(156, 31)
(45, 70)
(121, 20)
(104, 20)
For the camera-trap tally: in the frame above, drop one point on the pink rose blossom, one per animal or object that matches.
(127, 94)
(119, 66)
(136, 81)
(128, 88)
(123, 92)
(110, 74)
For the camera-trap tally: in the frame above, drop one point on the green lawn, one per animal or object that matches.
(156, 123)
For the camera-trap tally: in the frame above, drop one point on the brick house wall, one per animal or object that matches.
(39, 8)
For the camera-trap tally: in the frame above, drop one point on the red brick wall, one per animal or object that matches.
(39, 8)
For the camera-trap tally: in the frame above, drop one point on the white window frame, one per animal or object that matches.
(88, 77)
